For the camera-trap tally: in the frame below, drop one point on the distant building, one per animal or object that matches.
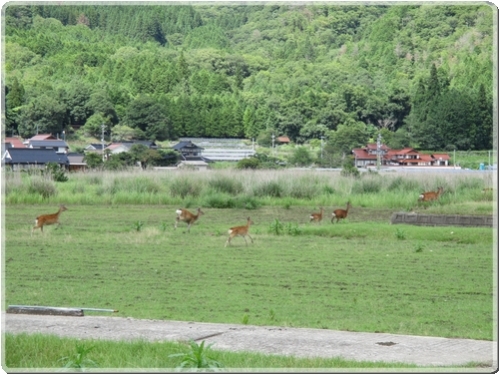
(367, 156)
(188, 150)
(28, 158)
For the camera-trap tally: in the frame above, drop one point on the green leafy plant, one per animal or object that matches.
(245, 319)
(197, 358)
(163, 226)
(292, 229)
(138, 225)
(79, 361)
(400, 234)
(276, 227)
(419, 248)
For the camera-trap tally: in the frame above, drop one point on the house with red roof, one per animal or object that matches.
(367, 156)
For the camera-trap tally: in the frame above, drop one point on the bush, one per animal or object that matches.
(270, 189)
(226, 185)
(42, 186)
(57, 173)
(183, 187)
(248, 163)
(219, 200)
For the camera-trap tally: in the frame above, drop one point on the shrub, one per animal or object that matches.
(42, 186)
(57, 173)
(367, 186)
(270, 189)
(183, 187)
(219, 200)
(226, 185)
(248, 163)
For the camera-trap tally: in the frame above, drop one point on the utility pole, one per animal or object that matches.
(379, 138)
(103, 127)
(322, 137)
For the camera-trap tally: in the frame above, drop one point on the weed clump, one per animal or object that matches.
(224, 184)
(182, 187)
(42, 186)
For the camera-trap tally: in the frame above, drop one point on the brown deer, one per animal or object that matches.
(340, 213)
(317, 216)
(187, 217)
(48, 219)
(240, 231)
(430, 195)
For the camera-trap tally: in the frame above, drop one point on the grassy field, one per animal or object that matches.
(117, 248)
(360, 275)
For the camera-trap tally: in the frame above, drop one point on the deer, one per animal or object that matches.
(187, 217)
(240, 231)
(317, 216)
(430, 195)
(48, 219)
(340, 213)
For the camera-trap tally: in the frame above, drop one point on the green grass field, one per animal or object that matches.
(117, 248)
(356, 275)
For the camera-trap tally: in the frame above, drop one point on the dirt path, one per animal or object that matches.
(299, 342)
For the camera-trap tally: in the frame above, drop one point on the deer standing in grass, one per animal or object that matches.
(317, 216)
(187, 217)
(240, 231)
(430, 195)
(48, 219)
(340, 213)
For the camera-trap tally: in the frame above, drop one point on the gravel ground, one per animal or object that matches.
(299, 342)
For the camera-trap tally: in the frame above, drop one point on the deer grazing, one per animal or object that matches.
(317, 216)
(187, 217)
(430, 195)
(48, 219)
(240, 231)
(340, 213)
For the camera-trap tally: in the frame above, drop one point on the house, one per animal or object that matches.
(118, 147)
(58, 145)
(95, 147)
(27, 158)
(188, 150)
(283, 139)
(367, 156)
(76, 162)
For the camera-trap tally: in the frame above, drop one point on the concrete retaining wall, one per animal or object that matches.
(441, 220)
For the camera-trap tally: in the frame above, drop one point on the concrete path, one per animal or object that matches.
(299, 342)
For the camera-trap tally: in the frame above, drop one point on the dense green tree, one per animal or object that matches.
(300, 69)
(146, 114)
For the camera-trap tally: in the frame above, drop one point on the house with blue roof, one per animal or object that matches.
(29, 158)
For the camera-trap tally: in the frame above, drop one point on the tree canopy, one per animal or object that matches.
(301, 70)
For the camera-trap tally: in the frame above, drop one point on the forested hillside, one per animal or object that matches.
(422, 75)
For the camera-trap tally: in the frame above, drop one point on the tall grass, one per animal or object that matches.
(234, 188)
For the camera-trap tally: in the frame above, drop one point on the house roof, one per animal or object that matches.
(76, 159)
(33, 156)
(441, 156)
(15, 142)
(360, 153)
(373, 146)
(95, 146)
(283, 139)
(186, 145)
(48, 143)
(42, 137)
